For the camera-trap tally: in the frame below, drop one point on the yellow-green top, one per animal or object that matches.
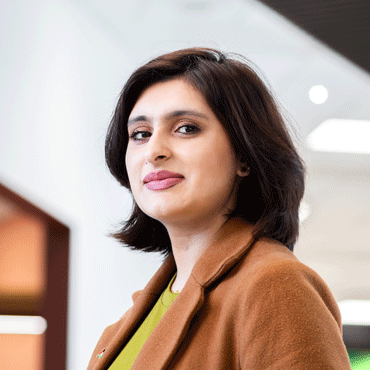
(129, 353)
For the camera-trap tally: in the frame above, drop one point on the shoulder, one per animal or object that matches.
(281, 264)
(283, 296)
(269, 260)
(285, 303)
(272, 270)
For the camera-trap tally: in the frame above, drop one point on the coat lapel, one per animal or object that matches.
(171, 330)
(114, 340)
(228, 247)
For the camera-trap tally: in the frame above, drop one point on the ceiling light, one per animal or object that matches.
(22, 324)
(355, 312)
(318, 94)
(341, 135)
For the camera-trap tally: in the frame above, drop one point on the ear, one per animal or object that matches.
(243, 170)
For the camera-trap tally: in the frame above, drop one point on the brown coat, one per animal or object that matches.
(250, 306)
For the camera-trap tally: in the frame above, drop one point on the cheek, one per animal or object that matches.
(215, 171)
(216, 160)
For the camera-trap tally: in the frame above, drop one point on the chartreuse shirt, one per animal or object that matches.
(129, 353)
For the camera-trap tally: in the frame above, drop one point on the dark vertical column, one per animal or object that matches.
(55, 307)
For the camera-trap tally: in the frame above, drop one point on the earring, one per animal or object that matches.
(244, 171)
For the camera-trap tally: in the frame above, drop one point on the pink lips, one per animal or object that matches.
(162, 180)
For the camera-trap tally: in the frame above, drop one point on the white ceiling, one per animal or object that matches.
(288, 58)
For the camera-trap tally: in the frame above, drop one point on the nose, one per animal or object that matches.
(157, 149)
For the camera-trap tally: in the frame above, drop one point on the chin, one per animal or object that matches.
(164, 217)
(167, 215)
(163, 207)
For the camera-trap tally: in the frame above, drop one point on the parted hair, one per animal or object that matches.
(269, 197)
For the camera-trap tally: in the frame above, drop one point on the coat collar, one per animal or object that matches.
(229, 245)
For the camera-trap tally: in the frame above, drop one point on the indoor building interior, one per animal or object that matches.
(64, 62)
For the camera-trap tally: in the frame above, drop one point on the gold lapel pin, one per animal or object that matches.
(101, 353)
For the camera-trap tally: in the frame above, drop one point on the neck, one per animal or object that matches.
(189, 243)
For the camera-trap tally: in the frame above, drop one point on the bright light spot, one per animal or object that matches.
(318, 94)
(341, 135)
(22, 324)
(355, 312)
(304, 211)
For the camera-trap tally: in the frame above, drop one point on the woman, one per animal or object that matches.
(197, 139)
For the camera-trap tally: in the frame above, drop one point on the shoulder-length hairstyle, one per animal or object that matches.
(270, 196)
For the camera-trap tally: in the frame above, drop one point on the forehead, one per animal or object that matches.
(163, 97)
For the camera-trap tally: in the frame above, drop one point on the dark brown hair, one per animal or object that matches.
(270, 196)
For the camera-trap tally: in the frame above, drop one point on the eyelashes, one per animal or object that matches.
(192, 129)
(135, 136)
(184, 130)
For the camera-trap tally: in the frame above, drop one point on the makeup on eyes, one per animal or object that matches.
(146, 130)
(169, 116)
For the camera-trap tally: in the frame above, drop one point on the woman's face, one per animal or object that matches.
(180, 161)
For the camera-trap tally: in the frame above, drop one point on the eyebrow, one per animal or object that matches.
(169, 116)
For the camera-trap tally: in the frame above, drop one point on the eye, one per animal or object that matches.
(188, 129)
(139, 135)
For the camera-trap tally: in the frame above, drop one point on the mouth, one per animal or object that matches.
(162, 180)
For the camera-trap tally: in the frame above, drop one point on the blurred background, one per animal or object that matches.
(63, 64)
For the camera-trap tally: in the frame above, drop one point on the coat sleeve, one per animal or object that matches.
(290, 321)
